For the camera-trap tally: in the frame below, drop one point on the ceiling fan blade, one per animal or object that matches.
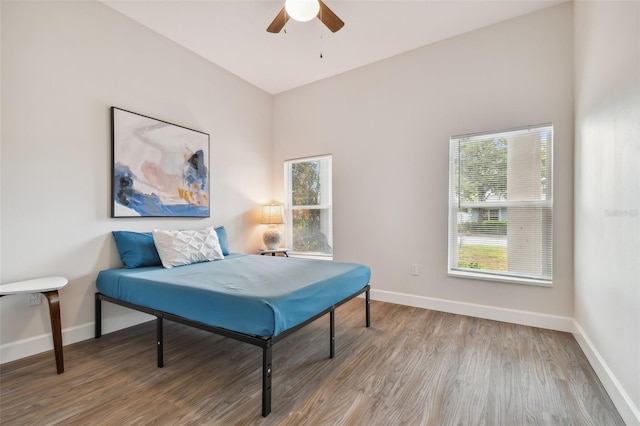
(278, 22)
(329, 18)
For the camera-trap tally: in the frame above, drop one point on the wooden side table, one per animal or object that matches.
(48, 286)
(273, 252)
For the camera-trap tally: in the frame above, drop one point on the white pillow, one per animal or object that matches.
(177, 248)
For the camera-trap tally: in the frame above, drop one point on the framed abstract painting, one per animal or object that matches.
(159, 169)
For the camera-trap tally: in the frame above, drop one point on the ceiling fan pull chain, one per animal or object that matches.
(286, 21)
(321, 32)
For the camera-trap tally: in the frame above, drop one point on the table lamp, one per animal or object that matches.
(272, 215)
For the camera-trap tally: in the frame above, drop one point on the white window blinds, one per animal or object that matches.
(501, 205)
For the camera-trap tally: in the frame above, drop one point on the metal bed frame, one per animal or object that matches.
(264, 342)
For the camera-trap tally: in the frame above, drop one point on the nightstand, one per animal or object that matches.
(273, 252)
(48, 286)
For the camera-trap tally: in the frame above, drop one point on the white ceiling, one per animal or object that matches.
(232, 33)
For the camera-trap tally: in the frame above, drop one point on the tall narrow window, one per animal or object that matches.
(309, 225)
(501, 205)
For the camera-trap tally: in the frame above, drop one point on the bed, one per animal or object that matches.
(254, 299)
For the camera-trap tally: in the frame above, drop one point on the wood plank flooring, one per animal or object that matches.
(412, 367)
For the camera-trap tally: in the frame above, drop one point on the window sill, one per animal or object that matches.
(310, 256)
(499, 278)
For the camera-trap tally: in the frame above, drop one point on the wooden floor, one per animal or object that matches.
(412, 367)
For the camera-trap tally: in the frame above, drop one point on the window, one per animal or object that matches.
(501, 205)
(309, 216)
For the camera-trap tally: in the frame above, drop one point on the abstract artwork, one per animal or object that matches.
(159, 169)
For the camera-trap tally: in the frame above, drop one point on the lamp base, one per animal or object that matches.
(272, 237)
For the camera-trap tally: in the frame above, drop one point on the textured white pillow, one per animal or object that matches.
(177, 248)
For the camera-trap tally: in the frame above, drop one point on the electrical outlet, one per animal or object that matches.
(34, 299)
(415, 269)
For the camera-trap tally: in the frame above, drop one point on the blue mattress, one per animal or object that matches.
(250, 294)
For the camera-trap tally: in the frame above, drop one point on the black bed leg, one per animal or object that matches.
(368, 308)
(98, 317)
(332, 333)
(160, 339)
(266, 379)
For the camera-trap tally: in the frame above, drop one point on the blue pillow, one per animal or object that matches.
(136, 249)
(222, 239)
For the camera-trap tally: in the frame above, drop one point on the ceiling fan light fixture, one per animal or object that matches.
(302, 10)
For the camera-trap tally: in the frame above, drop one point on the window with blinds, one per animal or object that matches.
(501, 205)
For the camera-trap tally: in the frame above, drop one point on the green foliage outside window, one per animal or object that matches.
(305, 183)
(306, 190)
(486, 227)
(483, 170)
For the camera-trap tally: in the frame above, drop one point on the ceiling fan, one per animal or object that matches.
(305, 10)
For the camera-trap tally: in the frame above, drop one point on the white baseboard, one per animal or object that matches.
(35, 345)
(627, 409)
(533, 319)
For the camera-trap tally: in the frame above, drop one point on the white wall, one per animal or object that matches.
(63, 65)
(388, 127)
(607, 195)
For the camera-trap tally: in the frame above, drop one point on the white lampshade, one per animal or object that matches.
(272, 214)
(302, 10)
